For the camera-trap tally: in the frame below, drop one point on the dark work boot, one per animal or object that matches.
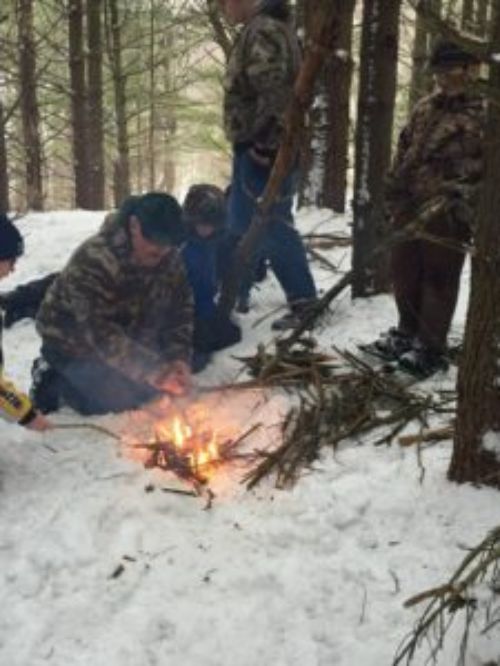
(295, 316)
(44, 392)
(423, 362)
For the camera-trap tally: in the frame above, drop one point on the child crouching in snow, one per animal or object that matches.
(204, 212)
(14, 405)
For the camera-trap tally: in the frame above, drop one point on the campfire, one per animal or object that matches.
(190, 447)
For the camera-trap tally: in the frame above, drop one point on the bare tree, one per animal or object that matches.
(95, 134)
(325, 154)
(121, 175)
(29, 104)
(376, 101)
(78, 102)
(479, 378)
(4, 173)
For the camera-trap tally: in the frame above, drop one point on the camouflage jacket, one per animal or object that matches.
(137, 319)
(259, 81)
(440, 152)
(14, 405)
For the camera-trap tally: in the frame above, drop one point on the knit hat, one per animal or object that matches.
(205, 204)
(447, 55)
(11, 241)
(159, 215)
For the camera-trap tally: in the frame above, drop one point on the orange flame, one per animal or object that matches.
(200, 447)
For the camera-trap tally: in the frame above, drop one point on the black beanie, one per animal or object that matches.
(11, 241)
(205, 204)
(160, 217)
(449, 54)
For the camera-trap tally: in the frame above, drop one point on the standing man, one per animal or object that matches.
(116, 324)
(439, 156)
(259, 84)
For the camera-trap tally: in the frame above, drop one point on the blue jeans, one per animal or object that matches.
(282, 244)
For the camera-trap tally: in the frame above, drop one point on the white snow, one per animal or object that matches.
(313, 577)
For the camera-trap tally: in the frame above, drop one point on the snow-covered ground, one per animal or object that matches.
(313, 577)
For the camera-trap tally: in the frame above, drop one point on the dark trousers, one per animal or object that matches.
(282, 244)
(426, 277)
(90, 386)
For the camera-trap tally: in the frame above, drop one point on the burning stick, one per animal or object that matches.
(190, 455)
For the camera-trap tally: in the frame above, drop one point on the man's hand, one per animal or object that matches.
(176, 380)
(40, 423)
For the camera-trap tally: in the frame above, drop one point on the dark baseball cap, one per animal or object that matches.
(160, 217)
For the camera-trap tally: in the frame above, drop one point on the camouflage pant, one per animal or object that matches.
(90, 386)
(426, 278)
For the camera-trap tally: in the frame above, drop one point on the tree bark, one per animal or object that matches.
(121, 175)
(479, 376)
(421, 79)
(338, 89)
(95, 136)
(325, 156)
(29, 105)
(376, 101)
(4, 171)
(221, 37)
(78, 102)
(152, 101)
(468, 19)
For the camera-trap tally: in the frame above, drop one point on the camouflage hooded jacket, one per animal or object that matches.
(102, 305)
(440, 152)
(259, 80)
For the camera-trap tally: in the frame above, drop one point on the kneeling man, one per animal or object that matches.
(116, 325)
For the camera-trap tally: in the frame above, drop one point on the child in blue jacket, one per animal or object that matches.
(204, 217)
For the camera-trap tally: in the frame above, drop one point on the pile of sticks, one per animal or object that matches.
(350, 403)
(302, 365)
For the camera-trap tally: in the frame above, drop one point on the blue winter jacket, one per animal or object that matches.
(200, 260)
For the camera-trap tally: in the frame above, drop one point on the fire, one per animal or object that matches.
(198, 447)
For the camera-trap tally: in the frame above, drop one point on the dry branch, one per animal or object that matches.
(481, 565)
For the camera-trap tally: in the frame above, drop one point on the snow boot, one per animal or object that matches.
(45, 387)
(390, 346)
(423, 362)
(295, 316)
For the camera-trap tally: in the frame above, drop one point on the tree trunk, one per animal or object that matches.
(338, 90)
(421, 79)
(121, 175)
(376, 101)
(482, 17)
(78, 102)
(152, 102)
(221, 37)
(479, 376)
(29, 105)
(4, 172)
(468, 21)
(326, 154)
(95, 136)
